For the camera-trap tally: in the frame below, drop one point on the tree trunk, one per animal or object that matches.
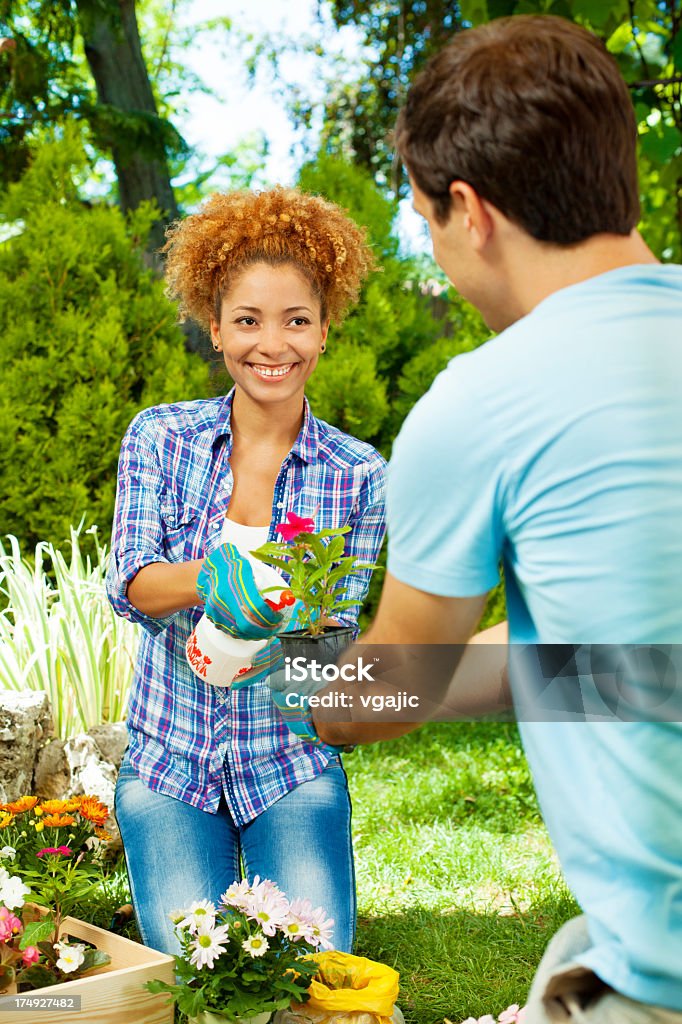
(114, 54)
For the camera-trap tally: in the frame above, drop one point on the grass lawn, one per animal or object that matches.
(458, 885)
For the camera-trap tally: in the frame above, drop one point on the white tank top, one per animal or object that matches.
(245, 538)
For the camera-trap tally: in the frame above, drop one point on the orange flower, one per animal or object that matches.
(55, 807)
(91, 808)
(57, 820)
(6, 819)
(24, 803)
(103, 835)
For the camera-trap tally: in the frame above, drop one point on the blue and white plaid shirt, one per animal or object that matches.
(188, 739)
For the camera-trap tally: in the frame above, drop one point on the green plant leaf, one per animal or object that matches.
(37, 976)
(93, 958)
(661, 143)
(336, 548)
(336, 532)
(7, 974)
(37, 931)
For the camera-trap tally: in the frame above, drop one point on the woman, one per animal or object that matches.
(212, 776)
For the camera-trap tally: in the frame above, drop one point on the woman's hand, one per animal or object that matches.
(232, 600)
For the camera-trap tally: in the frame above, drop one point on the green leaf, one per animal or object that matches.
(335, 549)
(661, 143)
(6, 976)
(597, 12)
(336, 532)
(474, 11)
(339, 606)
(93, 958)
(500, 8)
(37, 931)
(37, 976)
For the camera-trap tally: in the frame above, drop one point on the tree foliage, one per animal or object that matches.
(89, 338)
(81, 61)
(645, 37)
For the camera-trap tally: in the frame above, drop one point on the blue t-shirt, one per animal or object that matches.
(556, 448)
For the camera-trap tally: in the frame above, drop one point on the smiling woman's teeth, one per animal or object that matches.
(271, 371)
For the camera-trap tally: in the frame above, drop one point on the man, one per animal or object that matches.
(557, 448)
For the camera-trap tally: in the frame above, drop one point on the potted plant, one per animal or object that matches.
(316, 564)
(247, 957)
(50, 852)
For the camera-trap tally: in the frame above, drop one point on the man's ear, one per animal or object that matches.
(473, 211)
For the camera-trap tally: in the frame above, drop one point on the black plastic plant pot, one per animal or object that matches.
(325, 649)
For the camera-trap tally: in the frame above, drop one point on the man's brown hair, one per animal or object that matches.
(532, 112)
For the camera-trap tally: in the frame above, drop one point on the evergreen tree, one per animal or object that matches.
(89, 338)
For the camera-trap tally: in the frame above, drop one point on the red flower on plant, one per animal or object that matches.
(64, 851)
(295, 526)
(31, 955)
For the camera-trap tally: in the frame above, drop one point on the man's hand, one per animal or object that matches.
(232, 600)
(291, 700)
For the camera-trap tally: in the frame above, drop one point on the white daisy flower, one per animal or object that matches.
(256, 945)
(200, 914)
(207, 945)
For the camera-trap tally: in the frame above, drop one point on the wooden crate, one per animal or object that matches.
(113, 994)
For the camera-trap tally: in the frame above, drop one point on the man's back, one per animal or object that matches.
(560, 447)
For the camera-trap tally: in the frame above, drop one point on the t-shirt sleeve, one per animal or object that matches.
(445, 486)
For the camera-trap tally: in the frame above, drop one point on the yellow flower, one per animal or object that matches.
(6, 819)
(103, 835)
(39, 826)
(24, 803)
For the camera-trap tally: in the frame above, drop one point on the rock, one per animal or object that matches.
(76, 767)
(112, 740)
(25, 720)
(52, 776)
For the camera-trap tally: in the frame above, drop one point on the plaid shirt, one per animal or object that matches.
(190, 740)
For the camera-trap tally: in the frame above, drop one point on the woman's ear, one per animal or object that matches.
(325, 332)
(215, 335)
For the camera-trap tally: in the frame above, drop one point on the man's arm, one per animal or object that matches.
(408, 617)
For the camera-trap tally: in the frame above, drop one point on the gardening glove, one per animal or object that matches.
(232, 600)
(289, 699)
(270, 658)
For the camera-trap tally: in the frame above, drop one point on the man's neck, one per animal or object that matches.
(539, 270)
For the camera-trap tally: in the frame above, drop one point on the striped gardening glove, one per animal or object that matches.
(290, 699)
(232, 600)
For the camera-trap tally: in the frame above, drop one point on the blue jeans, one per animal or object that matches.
(176, 853)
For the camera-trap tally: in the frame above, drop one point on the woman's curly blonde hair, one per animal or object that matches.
(207, 250)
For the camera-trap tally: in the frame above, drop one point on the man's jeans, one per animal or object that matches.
(176, 853)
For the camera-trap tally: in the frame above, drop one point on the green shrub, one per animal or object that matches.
(88, 339)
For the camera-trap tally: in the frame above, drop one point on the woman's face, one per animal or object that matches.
(270, 332)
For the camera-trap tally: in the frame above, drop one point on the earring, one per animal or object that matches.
(323, 346)
(216, 346)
